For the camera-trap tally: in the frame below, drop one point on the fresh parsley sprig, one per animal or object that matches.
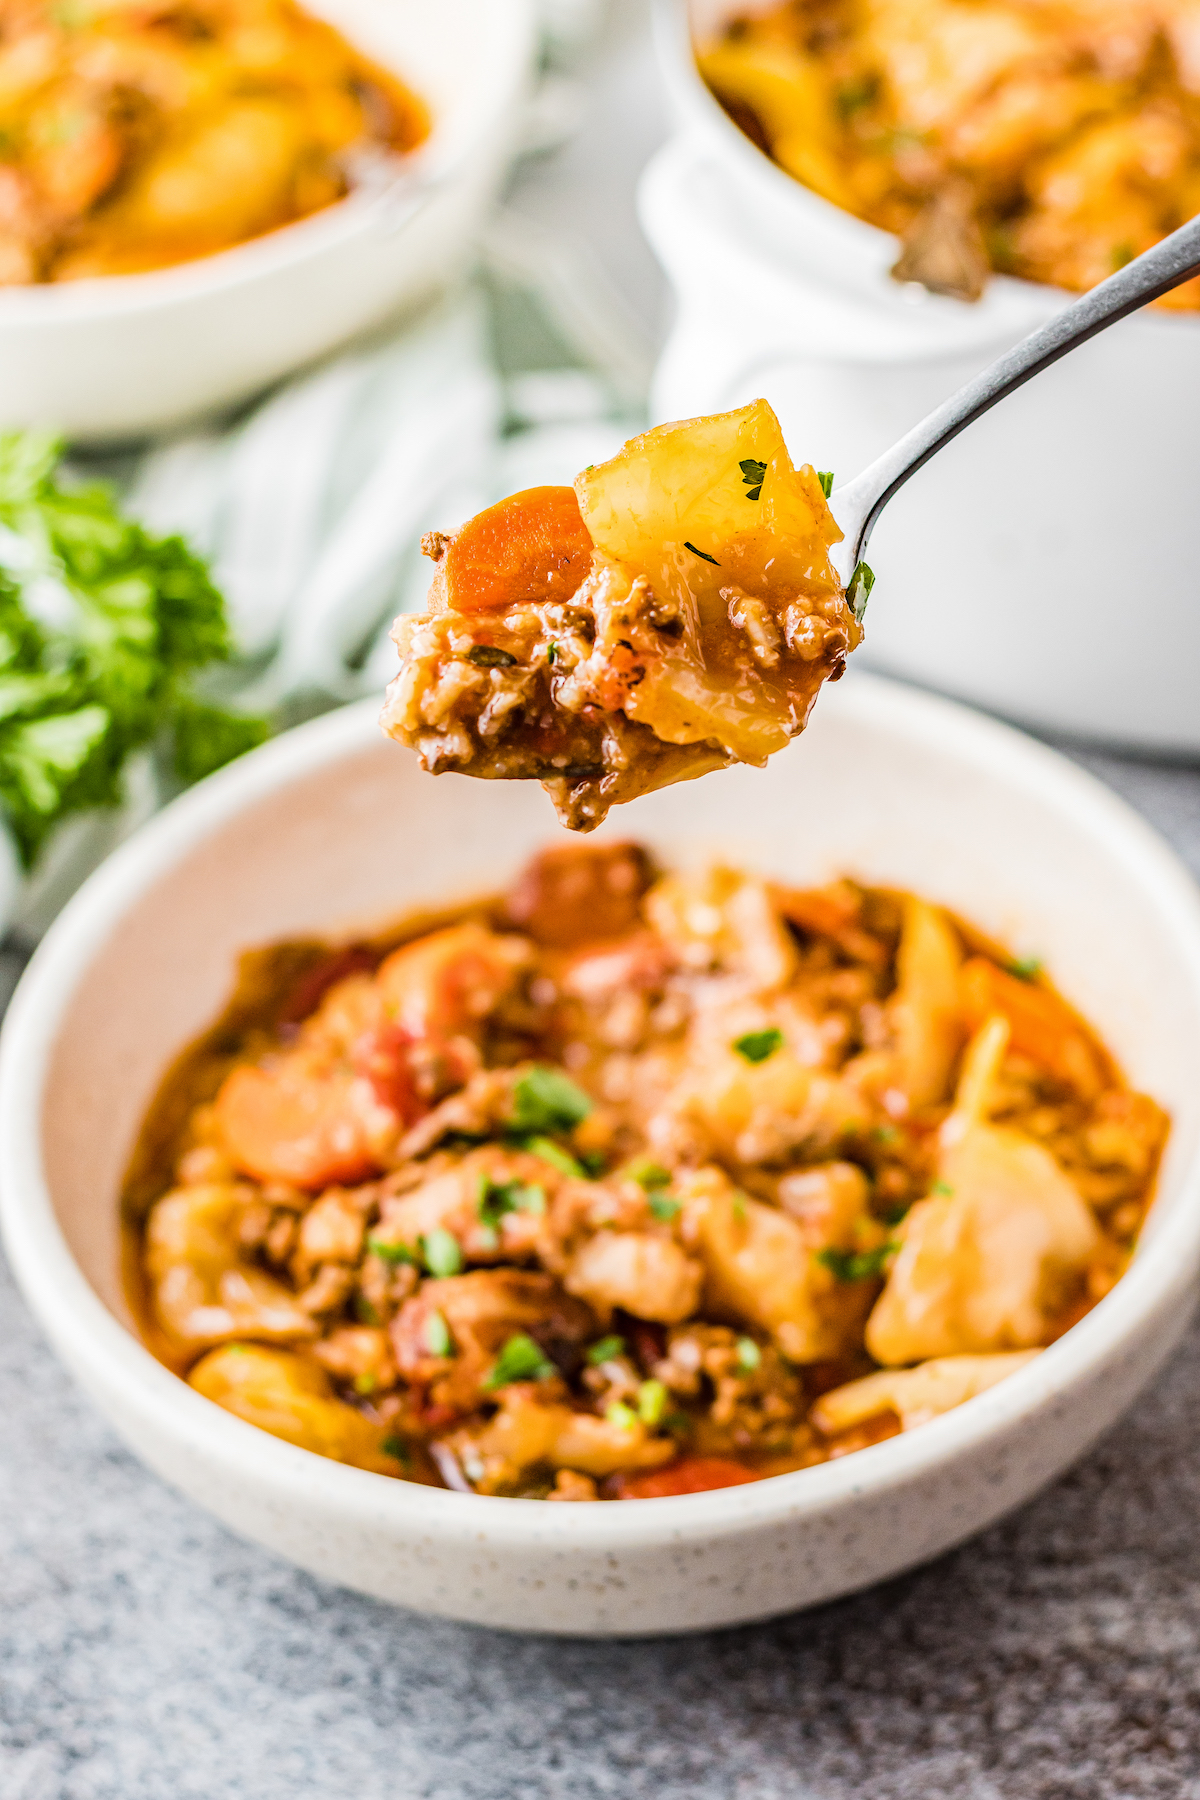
(103, 627)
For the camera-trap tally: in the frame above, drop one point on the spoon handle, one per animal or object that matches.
(858, 504)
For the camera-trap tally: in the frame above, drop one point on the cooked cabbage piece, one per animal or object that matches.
(674, 613)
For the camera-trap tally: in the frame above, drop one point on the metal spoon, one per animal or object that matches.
(858, 504)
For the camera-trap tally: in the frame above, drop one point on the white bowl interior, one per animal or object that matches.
(333, 830)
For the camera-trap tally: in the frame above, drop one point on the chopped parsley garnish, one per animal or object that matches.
(1026, 968)
(499, 1197)
(438, 1341)
(366, 1383)
(520, 1360)
(702, 554)
(663, 1208)
(651, 1402)
(396, 1446)
(546, 1100)
(942, 1187)
(884, 1134)
(753, 474)
(756, 1046)
(856, 1265)
(648, 1174)
(390, 1252)
(852, 96)
(859, 591)
(825, 477)
(365, 1311)
(555, 1155)
(748, 1354)
(490, 656)
(622, 1416)
(551, 651)
(594, 1162)
(442, 1253)
(605, 1350)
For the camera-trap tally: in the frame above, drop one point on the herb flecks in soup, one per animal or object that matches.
(633, 1184)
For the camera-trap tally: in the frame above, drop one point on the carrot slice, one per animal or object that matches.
(532, 546)
(690, 1475)
(281, 1126)
(1042, 1025)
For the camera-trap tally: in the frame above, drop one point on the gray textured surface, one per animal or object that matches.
(145, 1654)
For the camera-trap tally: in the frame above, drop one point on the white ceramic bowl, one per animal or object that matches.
(331, 828)
(123, 355)
(1010, 568)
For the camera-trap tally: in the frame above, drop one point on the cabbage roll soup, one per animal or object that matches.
(631, 1182)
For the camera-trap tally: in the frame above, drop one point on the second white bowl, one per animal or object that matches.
(123, 355)
(1011, 569)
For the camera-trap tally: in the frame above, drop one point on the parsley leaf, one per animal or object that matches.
(555, 1155)
(756, 1046)
(520, 1360)
(438, 1341)
(102, 629)
(490, 656)
(859, 591)
(546, 1100)
(605, 1349)
(852, 96)
(825, 477)
(856, 1265)
(396, 1446)
(748, 1354)
(390, 1252)
(651, 1402)
(648, 1174)
(753, 474)
(1025, 968)
(663, 1209)
(442, 1253)
(703, 554)
(499, 1197)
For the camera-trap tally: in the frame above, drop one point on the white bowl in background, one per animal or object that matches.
(330, 829)
(121, 355)
(1013, 569)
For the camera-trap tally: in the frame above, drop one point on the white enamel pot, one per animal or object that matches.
(1045, 564)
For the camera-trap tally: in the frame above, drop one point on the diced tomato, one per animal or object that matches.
(690, 1475)
(286, 1125)
(532, 546)
(382, 1056)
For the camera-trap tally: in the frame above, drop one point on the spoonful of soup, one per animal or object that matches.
(679, 608)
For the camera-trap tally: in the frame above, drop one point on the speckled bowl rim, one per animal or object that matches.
(108, 1358)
